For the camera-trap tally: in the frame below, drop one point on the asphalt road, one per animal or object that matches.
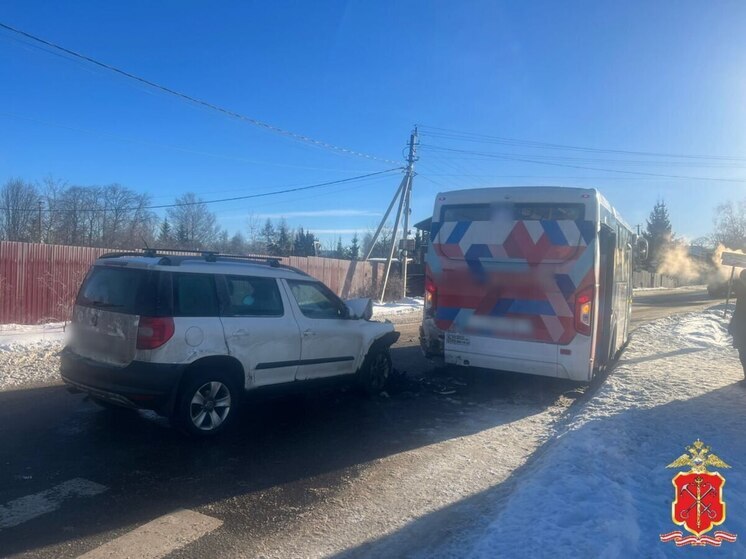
(76, 479)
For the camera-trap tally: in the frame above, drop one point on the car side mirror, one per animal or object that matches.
(641, 248)
(360, 308)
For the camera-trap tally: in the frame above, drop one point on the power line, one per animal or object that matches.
(568, 158)
(195, 100)
(169, 146)
(446, 133)
(201, 202)
(572, 166)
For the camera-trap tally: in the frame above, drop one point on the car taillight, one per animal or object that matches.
(584, 311)
(431, 297)
(153, 332)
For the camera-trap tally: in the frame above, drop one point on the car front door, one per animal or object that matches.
(260, 329)
(330, 342)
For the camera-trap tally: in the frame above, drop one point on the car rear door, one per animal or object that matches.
(260, 329)
(330, 343)
(107, 312)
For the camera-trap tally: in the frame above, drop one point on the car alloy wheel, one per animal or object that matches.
(210, 405)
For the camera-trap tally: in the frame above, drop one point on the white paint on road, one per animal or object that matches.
(29, 507)
(158, 537)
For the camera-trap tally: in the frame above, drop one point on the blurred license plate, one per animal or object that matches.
(454, 338)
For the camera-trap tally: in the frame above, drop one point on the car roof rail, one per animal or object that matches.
(208, 255)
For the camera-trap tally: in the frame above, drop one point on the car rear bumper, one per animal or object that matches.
(138, 385)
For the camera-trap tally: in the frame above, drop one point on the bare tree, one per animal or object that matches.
(194, 223)
(51, 191)
(730, 225)
(254, 227)
(383, 245)
(19, 201)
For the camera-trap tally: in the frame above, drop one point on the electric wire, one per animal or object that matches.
(574, 166)
(185, 97)
(205, 202)
(484, 138)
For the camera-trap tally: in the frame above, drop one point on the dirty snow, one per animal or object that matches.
(402, 306)
(28, 353)
(17, 336)
(680, 288)
(602, 489)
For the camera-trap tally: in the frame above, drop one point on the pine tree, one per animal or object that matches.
(354, 251)
(237, 244)
(284, 239)
(658, 233)
(304, 243)
(269, 238)
(165, 236)
(339, 252)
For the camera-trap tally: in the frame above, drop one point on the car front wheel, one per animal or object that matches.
(208, 404)
(375, 372)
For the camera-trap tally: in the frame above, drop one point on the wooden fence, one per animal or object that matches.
(39, 282)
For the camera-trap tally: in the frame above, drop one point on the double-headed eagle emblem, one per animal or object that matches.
(700, 458)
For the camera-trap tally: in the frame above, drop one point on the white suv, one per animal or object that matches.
(186, 335)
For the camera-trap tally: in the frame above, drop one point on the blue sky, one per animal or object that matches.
(639, 76)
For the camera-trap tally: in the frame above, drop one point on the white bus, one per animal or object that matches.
(534, 280)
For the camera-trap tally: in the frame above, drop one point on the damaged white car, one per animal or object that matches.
(187, 335)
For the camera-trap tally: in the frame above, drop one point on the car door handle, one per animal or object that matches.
(308, 333)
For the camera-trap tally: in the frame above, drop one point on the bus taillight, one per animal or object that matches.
(584, 311)
(431, 297)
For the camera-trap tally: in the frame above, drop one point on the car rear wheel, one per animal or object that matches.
(208, 404)
(375, 372)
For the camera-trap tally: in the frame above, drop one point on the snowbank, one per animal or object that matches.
(28, 354)
(402, 306)
(602, 489)
(16, 337)
(680, 288)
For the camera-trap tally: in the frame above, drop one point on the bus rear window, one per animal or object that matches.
(467, 212)
(122, 290)
(548, 212)
(515, 212)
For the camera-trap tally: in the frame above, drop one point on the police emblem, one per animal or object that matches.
(698, 503)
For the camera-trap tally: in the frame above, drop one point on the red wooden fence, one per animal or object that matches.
(39, 282)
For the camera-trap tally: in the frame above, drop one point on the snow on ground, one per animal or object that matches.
(17, 336)
(601, 488)
(405, 305)
(680, 288)
(28, 353)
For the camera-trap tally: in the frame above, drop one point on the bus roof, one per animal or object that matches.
(535, 194)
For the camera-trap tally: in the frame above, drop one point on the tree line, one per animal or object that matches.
(729, 230)
(114, 216)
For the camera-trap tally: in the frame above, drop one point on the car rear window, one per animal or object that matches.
(123, 290)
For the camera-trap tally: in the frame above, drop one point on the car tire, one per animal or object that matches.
(375, 372)
(208, 403)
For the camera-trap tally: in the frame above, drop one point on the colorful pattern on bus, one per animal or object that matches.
(521, 284)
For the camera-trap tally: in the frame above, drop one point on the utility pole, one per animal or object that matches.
(403, 195)
(41, 240)
(411, 158)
